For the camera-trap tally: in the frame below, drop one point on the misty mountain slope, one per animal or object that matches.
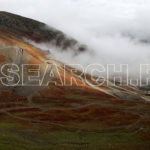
(62, 117)
(32, 55)
(10, 47)
(38, 32)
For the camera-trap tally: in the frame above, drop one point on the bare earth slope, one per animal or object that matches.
(74, 117)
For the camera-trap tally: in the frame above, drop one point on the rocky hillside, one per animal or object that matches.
(56, 117)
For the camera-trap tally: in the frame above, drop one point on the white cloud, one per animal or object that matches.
(101, 24)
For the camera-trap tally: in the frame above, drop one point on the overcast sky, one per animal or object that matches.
(106, 26)
(105, 16)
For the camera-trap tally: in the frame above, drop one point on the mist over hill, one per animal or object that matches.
(47, 104)
(38, 32)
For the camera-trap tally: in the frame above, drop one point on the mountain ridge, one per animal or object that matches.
(38, 32)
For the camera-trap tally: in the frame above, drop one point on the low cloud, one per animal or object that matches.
(116, 31)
